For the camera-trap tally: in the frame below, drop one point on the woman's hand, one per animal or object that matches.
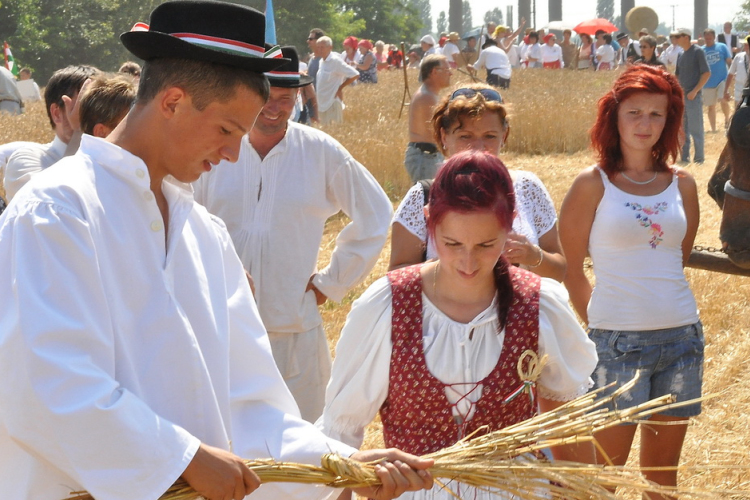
(519, 250)
(398, 471)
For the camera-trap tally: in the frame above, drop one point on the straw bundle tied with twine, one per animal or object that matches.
(505, 459)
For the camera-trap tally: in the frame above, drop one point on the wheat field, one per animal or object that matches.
(551, 112)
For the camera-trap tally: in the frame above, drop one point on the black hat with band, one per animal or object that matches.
(218, 32)
(288, 75)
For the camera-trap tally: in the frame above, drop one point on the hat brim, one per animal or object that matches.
(304, 80)
(149, 45)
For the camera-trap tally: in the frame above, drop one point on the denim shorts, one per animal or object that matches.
(670, 361)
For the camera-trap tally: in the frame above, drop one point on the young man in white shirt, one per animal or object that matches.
(133, 350)
(289, 179)
(333, 75)
(30, 160)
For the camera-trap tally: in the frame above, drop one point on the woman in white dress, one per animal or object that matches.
(435, 347)
(474, 117)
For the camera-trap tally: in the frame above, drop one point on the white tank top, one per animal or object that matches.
(636, 248)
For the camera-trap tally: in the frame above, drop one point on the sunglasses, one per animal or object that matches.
(488, 94)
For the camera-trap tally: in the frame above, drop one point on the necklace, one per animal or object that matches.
(640, 183)
(434, 280)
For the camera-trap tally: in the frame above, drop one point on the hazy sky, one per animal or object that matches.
(575, 11)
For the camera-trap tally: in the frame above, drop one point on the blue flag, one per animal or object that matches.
(270, 23)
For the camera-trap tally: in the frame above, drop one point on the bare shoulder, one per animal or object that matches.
(684, 178)
(422, 98)
(588, 181)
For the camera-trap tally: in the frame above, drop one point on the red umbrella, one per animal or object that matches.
(594, 25)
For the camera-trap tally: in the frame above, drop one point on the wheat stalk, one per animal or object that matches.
(504, 460)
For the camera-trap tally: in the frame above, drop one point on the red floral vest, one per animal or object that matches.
(416, 415)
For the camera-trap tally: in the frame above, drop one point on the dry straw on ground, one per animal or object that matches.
(551, 114)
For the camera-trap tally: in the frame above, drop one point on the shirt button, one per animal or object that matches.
(148, 196)
(156, 225)
(140, 173)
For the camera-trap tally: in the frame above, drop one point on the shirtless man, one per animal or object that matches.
(422, 157)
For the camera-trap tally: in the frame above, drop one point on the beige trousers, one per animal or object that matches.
(304, 361)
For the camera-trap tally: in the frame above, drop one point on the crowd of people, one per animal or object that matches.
(159, 288)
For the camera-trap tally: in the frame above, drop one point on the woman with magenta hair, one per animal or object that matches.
(637, 216)
(435, 347)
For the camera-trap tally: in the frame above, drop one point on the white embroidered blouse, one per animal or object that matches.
(535, 212)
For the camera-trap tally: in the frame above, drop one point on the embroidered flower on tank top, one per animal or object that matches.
(644, 214)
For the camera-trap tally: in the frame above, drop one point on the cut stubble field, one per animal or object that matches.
(551, 112)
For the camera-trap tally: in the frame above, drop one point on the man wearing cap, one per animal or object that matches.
(672, 53)
(719, 59)
(422, 157)
(451, 51)
(629, 50)
(333, 75)
(132, 348)
(693, 73)
(428, 46)
(289, 179)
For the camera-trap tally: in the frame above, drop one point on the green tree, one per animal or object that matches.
(388, 20)
(494, 16)
(442, 23)
(424, 12)
(466, 23)
(295, 19)
(605, 9)
(742, 18)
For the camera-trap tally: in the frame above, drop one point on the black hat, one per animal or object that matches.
(288, 75)
(621, 35)
(218, 32)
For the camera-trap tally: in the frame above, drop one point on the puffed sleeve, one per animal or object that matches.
(410, 212)
(537, 201)
(572, 355)
(265, 418)
(359, 377)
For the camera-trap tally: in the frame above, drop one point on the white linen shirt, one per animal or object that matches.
(495, 60)
(456, 353)
(552, 54)
(739, 70)
(276, 208)
(331, 74)
(123, 351)
(28, 161)
(535, 213)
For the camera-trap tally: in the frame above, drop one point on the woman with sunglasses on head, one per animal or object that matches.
(436, 347)
(637, 216)
(648, 52)
(474, 117)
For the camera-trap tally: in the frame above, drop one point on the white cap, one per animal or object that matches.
(428, 40)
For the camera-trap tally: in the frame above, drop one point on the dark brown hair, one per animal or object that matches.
(205, 82)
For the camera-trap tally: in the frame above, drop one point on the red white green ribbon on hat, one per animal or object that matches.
(283, 75)
(221, 44)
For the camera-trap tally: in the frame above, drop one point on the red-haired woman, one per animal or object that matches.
(636, 216)
(435, 347)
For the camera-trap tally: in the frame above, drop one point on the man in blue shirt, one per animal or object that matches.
(719, 57)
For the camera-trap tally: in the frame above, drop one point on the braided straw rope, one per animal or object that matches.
(504, 460)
